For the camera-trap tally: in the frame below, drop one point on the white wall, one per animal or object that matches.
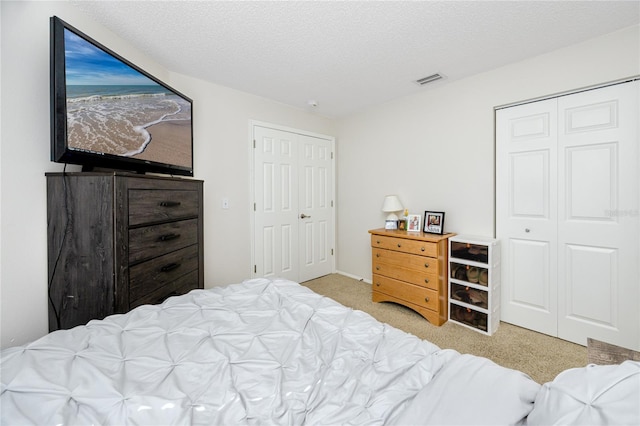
(221, 133)
(436, 149)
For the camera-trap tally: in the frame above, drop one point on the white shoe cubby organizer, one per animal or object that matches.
(474, 282)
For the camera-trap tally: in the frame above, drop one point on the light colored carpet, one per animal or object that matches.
(540, 356)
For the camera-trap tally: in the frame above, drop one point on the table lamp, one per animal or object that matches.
(392, 205)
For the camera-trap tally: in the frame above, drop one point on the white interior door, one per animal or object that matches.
(526, 205)
(567, 211)
(598, 228)
(293, 204)
(315, 207)
(275, 203)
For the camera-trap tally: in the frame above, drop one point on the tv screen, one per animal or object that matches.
(108, 113)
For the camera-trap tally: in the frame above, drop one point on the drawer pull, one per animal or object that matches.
(170, 267)
(422, 249)
(426, 265)
(377, 268)
(377, 241)
(169, 203)
(426, 299)
(399, 245)
(378, 284)
(168, 237)
(426, 280)
(377, 254)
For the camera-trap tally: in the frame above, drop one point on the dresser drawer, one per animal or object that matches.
(410, 261)
(404, 245)
(427, 278)
(421, 296)
(154, 205)
(182, 285)
(155, 240)
(147, 276)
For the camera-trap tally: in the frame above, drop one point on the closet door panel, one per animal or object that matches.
(592, 292)
(526, 214)
(598, 229)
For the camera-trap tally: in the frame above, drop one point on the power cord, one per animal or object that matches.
(66, 191)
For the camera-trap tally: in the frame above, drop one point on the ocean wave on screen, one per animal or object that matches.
(118, 124)
(98, 98)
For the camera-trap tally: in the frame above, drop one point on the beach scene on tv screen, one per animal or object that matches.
(114, 109)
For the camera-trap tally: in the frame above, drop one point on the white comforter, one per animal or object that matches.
(260, 352)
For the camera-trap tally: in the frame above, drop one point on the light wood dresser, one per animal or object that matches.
(410, 268)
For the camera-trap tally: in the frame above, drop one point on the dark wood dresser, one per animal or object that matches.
(119, 240)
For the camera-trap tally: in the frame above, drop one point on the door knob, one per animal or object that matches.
(304, 216)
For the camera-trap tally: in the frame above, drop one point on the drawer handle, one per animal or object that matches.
(168, 237)
(422, 249)
(426, 299)
(377, 254)
(170, 267)
(426, 280)
(426, 265)
(378, 284)
(377, 268)
(399, 245)
(169, 203)
(377, 241)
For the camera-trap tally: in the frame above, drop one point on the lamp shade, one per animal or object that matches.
(391, 205)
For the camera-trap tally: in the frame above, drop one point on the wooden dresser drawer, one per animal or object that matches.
(145, 277)
(153, 205)
(152, 241)
(421, 296)
(425, 278)
(422, 248)
(409, 261)
(181, 285)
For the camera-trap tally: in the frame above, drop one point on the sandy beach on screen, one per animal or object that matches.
(170, 142)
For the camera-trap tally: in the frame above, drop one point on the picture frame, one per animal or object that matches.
(391, 224)
(402, 225)
(433, 222)
(413, 222)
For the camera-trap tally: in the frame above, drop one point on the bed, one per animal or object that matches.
(274, 352)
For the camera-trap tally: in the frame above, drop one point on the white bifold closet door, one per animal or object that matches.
(567, 212)
(293, 204)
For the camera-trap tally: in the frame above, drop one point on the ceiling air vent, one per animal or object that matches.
(425, 80)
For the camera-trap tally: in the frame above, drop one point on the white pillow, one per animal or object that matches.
(470, 390)
(592, 395)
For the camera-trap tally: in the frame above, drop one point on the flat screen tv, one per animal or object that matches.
(108, 113)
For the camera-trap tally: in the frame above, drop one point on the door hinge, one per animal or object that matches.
(255, 269)
(254, 207)
(254, 144)
(331, 252)
(332, 155)
(331, 203)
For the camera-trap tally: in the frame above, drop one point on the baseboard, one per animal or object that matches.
(355, 277)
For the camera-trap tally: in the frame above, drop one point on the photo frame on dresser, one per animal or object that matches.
(413, 222)
(433, 222)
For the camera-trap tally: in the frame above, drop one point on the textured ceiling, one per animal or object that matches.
(349, 55)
